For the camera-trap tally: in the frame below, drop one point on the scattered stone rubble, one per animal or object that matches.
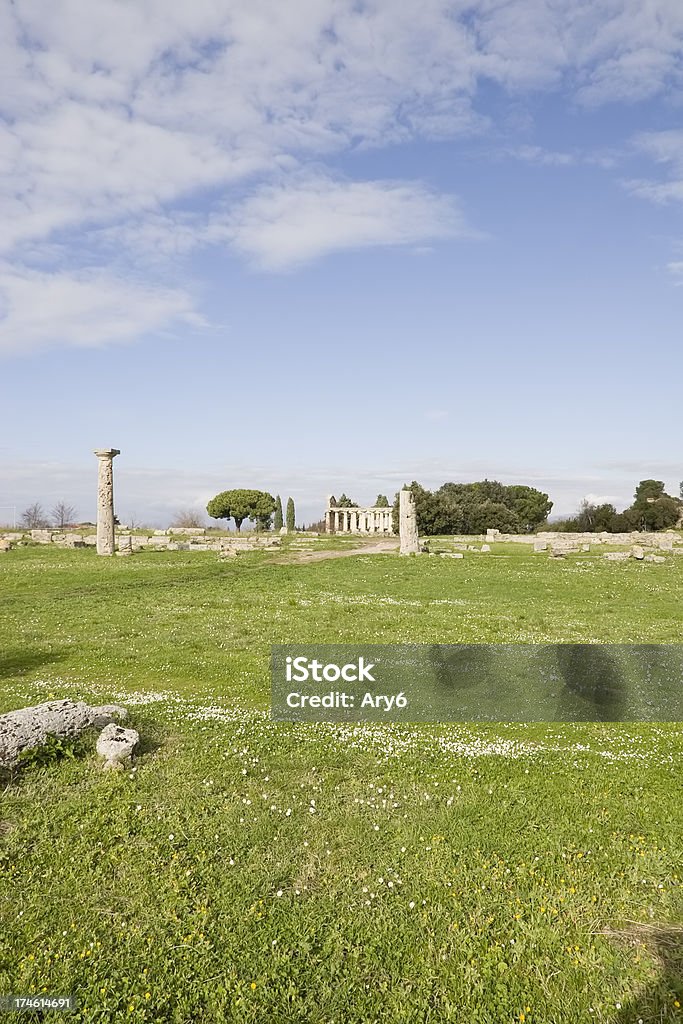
(116, 745)
(30, 728)
(173, 539)
(556, 545)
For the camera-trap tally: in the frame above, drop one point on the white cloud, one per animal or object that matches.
(539, 155)
(117, 107)
(676, 269)
(665, 148)
(40, 310)
(281, 226)
(114, 113)
(628, 50)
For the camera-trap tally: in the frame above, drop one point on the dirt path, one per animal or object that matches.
(381, 547)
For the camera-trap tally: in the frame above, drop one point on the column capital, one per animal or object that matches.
(106, 453)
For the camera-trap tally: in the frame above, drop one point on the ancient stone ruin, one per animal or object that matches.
(105, 500)
(30, 728)
(407, 521)
(373, 519)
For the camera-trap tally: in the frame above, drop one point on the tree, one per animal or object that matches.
(652, 508)
(382, 501)
(277, 522)
(290, 515)
(33, 517)
(592, 518)
(663, 513)
(63, 514)
(648, 490)
(345, 502)
(531, 507)
(492, 515)
(241, 504)
(188, 518)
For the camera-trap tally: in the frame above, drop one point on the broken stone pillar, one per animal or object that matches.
(125, 546)
(410, 544)
(105, 500)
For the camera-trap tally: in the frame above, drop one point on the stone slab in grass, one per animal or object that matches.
(29, 728)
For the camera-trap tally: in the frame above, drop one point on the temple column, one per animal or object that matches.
(105, 500)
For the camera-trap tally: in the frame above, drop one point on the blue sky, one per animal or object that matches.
(324, 246)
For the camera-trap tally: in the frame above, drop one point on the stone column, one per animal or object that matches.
(105, 500)
(410, 544)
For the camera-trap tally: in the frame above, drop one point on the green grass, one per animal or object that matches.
(530, 865)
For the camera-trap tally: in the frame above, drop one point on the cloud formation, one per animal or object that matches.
(119, 117)
(284, 226)
(40, 310)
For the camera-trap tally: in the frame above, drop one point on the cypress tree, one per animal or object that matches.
(290, 515)
(277, 521)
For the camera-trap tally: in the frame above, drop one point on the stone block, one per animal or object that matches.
(116, 745)
(41, 536)
(617, 556)
(74, 540)
(29, 728)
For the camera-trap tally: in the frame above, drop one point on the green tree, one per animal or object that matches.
(648, 490)
(662, 514)
(530, 507)
(242, 504)
(652, 508)
(382, 501)
(594, 518)
(345, 502)
(290, 515)
(492, 515)
(277, 521)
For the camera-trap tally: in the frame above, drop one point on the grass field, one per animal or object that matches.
(248, 870)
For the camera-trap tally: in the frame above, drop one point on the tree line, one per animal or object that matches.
(474, 508)
(652, 509)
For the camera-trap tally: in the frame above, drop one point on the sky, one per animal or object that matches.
(338, 245)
